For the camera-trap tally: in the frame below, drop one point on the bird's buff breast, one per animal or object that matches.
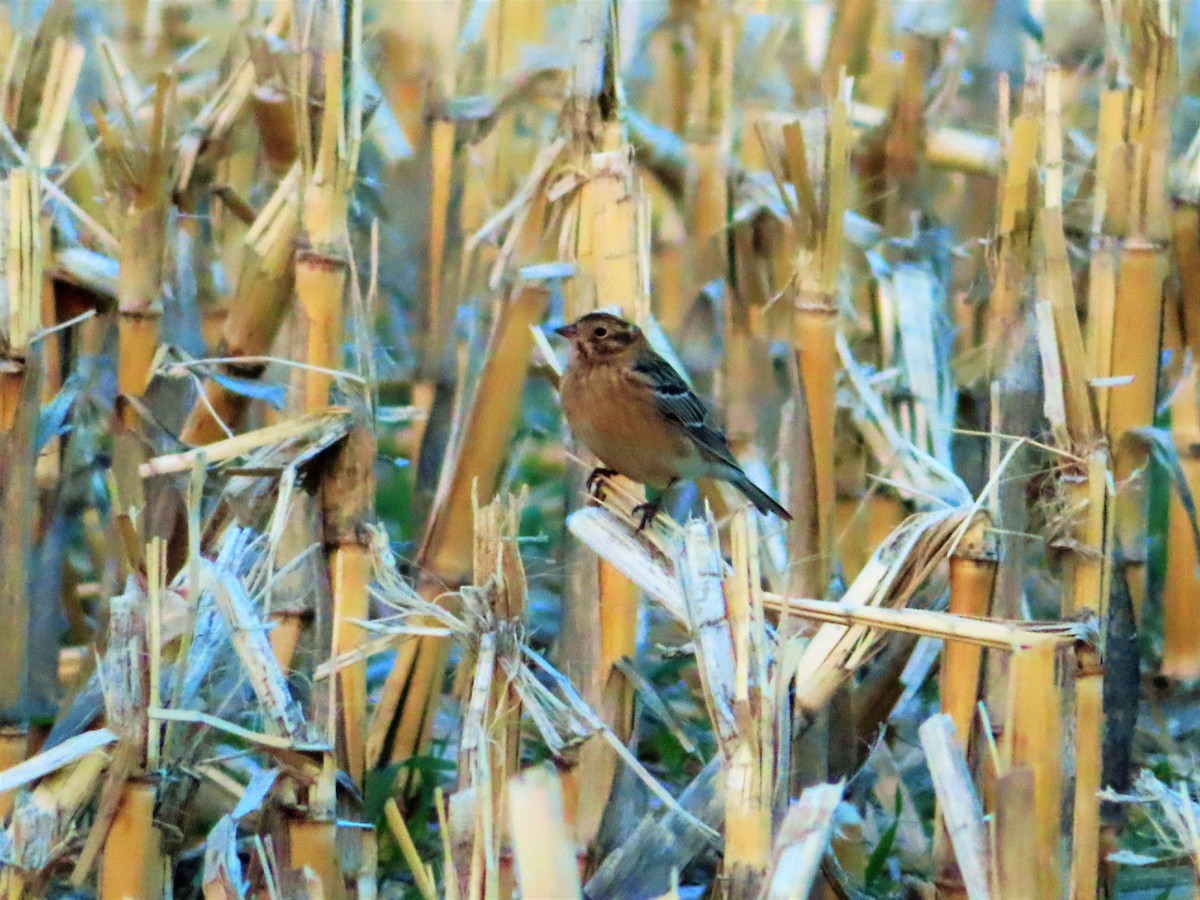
(614, 416)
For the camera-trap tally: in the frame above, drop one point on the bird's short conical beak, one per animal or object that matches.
(567, 331)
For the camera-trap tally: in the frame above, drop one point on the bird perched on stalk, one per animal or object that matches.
(633, 411)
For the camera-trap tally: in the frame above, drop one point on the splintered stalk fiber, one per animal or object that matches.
(472, 469)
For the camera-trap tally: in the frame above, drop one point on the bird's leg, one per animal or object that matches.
(647, 512)
(650, 509)
(593, 480)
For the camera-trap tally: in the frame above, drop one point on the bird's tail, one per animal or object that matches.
(760, 498)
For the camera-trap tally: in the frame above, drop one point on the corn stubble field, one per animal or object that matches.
(302, 593)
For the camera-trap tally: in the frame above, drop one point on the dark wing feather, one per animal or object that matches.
(676, 401)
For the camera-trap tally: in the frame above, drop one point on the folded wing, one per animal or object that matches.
(675, 400)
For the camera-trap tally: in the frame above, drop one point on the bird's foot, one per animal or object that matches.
(593, 480)
(647, 512)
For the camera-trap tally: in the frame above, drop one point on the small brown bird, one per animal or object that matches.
(631, 409)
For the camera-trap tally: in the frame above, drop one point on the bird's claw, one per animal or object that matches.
(593, 480)
(647, 512)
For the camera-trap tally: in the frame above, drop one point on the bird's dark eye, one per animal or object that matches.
(601, 332)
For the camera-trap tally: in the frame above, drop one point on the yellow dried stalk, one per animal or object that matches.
(1185, 246)
(1152, 29)
(1089, 727)
(670, 303)
(1015, 842)
(545, 859)
(134, 866)
(14, 747)
(605, 232)
(322, 428)
(441, 162)
(66, 62)
(348, 509)
(409, 697)
(328, 181)
(709, 130)
(1185, 241)
(489, 752)
(256, 310)
(350, 569)
(213, 125)
(1135, 211)
(750, 773)
(895, 570)
(1054, 279)
(512, 25)
(138, 172)
(1086, 578)
(849, 39)
(416, 866)
(1138, 310)
(607, 241)
(124, 761)
(818, 264)
(1181, 587)
(230, 218)
(21, 300)
(472, 469)
(972, 577)
(852, 545)
(1012, 235)
(21, 374)
(607, 533)
(347, 486)
(275, 118)
(48, 466)
(1080, 420)
(479, 448)
(313, 847)
(1033, 737)
(1079, 416)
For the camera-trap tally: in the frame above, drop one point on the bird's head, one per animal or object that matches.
(599, 336)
